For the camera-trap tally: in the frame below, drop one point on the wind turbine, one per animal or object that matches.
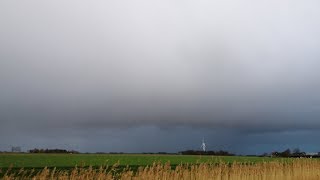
(203, 145)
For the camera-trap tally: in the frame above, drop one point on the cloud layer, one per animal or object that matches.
(247, 66)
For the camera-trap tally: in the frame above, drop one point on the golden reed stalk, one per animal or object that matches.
(300, 169)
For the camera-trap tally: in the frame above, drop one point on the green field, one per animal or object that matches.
(28, 166)
(72, 160)
(13, 163)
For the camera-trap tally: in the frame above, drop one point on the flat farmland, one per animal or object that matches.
(71, 160)
(142, 166)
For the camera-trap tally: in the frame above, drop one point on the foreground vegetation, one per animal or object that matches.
(66, 162)
(298, 169)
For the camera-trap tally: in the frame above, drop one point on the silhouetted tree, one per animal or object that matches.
(286, 153)
(52, 151)
(297, 153)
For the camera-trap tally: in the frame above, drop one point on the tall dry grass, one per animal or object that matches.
(301, 169)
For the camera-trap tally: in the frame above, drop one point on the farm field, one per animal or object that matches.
(140, 166)
(72, 160)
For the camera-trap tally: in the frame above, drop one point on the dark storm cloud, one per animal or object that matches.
(248, 67)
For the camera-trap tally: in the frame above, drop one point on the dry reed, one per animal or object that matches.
(300, 169)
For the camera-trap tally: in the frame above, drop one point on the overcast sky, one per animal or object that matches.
(145, 75)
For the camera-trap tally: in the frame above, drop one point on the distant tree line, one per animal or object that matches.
(52, 151)
(162, 152)
(216, 153)
(136, 153)
(295, 154)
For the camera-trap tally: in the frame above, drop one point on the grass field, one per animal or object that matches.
(72, 160)
(131, 166)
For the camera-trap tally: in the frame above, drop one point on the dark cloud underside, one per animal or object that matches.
(246, 67)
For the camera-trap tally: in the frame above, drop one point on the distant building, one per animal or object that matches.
(16, 149)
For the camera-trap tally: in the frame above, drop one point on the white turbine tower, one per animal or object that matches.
(203, 145)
